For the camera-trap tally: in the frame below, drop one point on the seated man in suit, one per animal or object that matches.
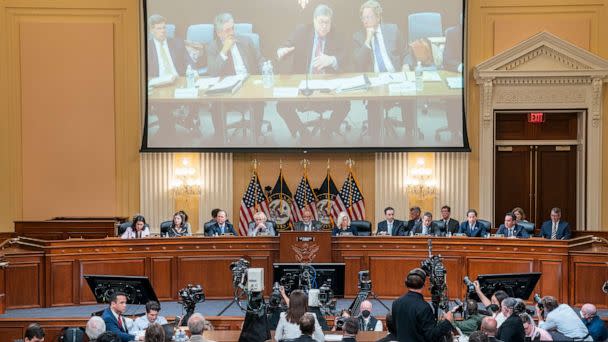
(317, 49)
(511, 229)
(555, 229)
(260, 226)
(414, 219)
(427, 226)
(378, 47)
(471, 227)
(230, 54)
(221, 225)
(390, 226)
(449, 224)
(307, 224)
(113, 317)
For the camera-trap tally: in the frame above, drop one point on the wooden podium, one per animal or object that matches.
(3, 266)
(305, 247)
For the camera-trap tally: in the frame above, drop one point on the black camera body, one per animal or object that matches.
(436, 272)
(365, 282)
(239, 272)
(191, 295)
(340, 322)
(539, 301)
(274, 302)
(469, 284)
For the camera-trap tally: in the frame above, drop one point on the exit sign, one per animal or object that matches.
(536, 117)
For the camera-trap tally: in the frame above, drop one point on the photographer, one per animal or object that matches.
(414, 318)
(473, 317)
(340, 319)
(533, 332)
(289, 327)
(492, 304)
(595, 325)
(561, 321)
(512, 330)
(367, 322)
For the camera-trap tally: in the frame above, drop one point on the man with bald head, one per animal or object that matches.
(490, 327)
(595, 325)
(367, 322)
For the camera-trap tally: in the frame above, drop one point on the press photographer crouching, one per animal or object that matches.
(340, 319)
(561, 321)
(471, 316)
(414, 318)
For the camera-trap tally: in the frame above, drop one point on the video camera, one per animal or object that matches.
(250, 282)
(274, 302)
(434, 268)
(303, 279)
(189, 297)
(340, 322)
(239, 272)
(326, 298)
(365, 282)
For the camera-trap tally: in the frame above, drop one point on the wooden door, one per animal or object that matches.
(513, 181)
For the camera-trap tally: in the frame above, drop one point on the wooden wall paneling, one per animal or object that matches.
(479, 265)
(161, 275)
(351, 274)
(553, 278)
(12, 333)
(25, 280)
(125, 265)
(61, 283)
(212, 272)
(388, 274)
(587, 275)
(2, 290)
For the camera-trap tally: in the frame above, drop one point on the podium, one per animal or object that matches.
(3, 266)
(305, 247)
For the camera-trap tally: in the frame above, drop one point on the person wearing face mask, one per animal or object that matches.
(367, 322)
(595, 325)
(493, 304)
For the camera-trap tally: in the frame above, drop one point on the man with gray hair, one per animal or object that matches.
(196, 325)
(95, 327)
(317, 49)
(512, 329)
(595, 325)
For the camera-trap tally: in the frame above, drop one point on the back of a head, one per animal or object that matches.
(415, 279)
(95, 327)
(520, 307)
(196, 324)
(351, 326)
(34, 330)
(155, 333)
(108, 336)
(390, 323)
(510, 304)
(550, 303)
(307, 324)
(298, 306)
(489, 326)
(478, 336)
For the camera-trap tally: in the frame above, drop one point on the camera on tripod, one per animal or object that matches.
(239, 272)
(435, 270)
(274, 302)
(190, 296)
(250, 281)
(365, 282)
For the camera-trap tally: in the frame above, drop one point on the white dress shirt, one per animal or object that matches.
(237, 59)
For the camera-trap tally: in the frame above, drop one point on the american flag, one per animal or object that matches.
(352, 198)
(329, 191)
(254, 200)
(304, 198)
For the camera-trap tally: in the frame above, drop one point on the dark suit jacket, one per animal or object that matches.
(452, 53)
(336, 231)
(452, 226)
(563, 230)
(252, 58)
(415, 320)
(410, 225)
(228, 228)
(518, 231)
(303, 338)
(302, 39)
(434, 229)
(299, 226)
(176, 50)
(112, 325)
(388, 338)
(511, 330)
(393, 41)
(399, 228)
(478, 229)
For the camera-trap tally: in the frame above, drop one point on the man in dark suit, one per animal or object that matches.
(165, 56)
(414, 218)
(307, 224)
(471, 227)
(390, 226)
(230, 54)
(512, 329)
(221, 225)
(307, 327)
(427, 226)
(413, 316)
(390, 326)
(317, 49)
(555, 229)
(113, 318)
(448, 224)
(378, 47)
(511, 229)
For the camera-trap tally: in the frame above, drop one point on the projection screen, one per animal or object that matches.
(296, 74)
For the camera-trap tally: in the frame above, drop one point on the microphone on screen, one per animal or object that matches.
(307, 91)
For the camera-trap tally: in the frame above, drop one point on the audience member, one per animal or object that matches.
(351, 328)
(154, 333)
(390, 326)
(414, 317)
(595, 325)
(95, 327)
(489, 326)
(555, 228)
(196, 325)
(137, 230)
(367, 322)
(478, 336)
(534, 333)
(151, 316)
(108, 336)
(512, 330)
(288, 327)
(34, 333)
(561, 321)
(473, 318)
(307, 326)
(391, 226)
(113, 317)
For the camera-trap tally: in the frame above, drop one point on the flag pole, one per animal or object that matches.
(350, 164)
(255, 175)
(329, 200)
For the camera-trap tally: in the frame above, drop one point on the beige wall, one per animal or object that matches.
(70, 113)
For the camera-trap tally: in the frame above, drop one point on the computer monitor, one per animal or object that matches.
(517, 285)
(138, 290)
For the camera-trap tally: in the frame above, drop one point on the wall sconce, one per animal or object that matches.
(185, 182)
(420, 182)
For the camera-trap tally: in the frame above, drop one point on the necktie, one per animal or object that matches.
(120, 322)
(510, 232)
(378, 55)
(222, 229)
(138, 234)
(425, 230)
(390, 229)
(165, 59)
(554, 231)
(318, 52)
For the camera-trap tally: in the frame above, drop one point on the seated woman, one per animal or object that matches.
(289, 327)
(520, 218)
(343, 226)
(260, 226)
(179, 227)
(137, 230)
(186, 223)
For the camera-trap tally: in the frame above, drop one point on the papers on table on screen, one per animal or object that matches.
(454, 82)
(229, 84)
(161, 80)
(285, 92)
(427, 76)
(206, 82)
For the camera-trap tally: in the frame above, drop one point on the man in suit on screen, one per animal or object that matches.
(113, 317)
(317, 49)
(555, 229)
(307, 224)
(231, 54)
(390, 226)
(165, 56)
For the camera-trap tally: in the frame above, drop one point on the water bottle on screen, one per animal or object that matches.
(419, 79)
(267, 74)
(190, 77)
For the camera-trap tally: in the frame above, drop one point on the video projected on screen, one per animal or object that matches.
(304, 74)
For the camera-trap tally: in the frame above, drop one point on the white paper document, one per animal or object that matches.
(333, 337)
(431, 76)
(454, 82)
(403, 87)
(392, 77)
(185, 93)
(206, 82)
(319, 84)
(285, 92)
(353, 83)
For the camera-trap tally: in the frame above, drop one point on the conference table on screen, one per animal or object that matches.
(50, 273)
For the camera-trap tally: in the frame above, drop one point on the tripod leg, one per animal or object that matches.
(373, 294)
(226, 308)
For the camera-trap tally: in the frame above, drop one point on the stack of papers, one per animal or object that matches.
(206, 82)
(229, 84)
(353, 83)
(454, 82)
(403, 87)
